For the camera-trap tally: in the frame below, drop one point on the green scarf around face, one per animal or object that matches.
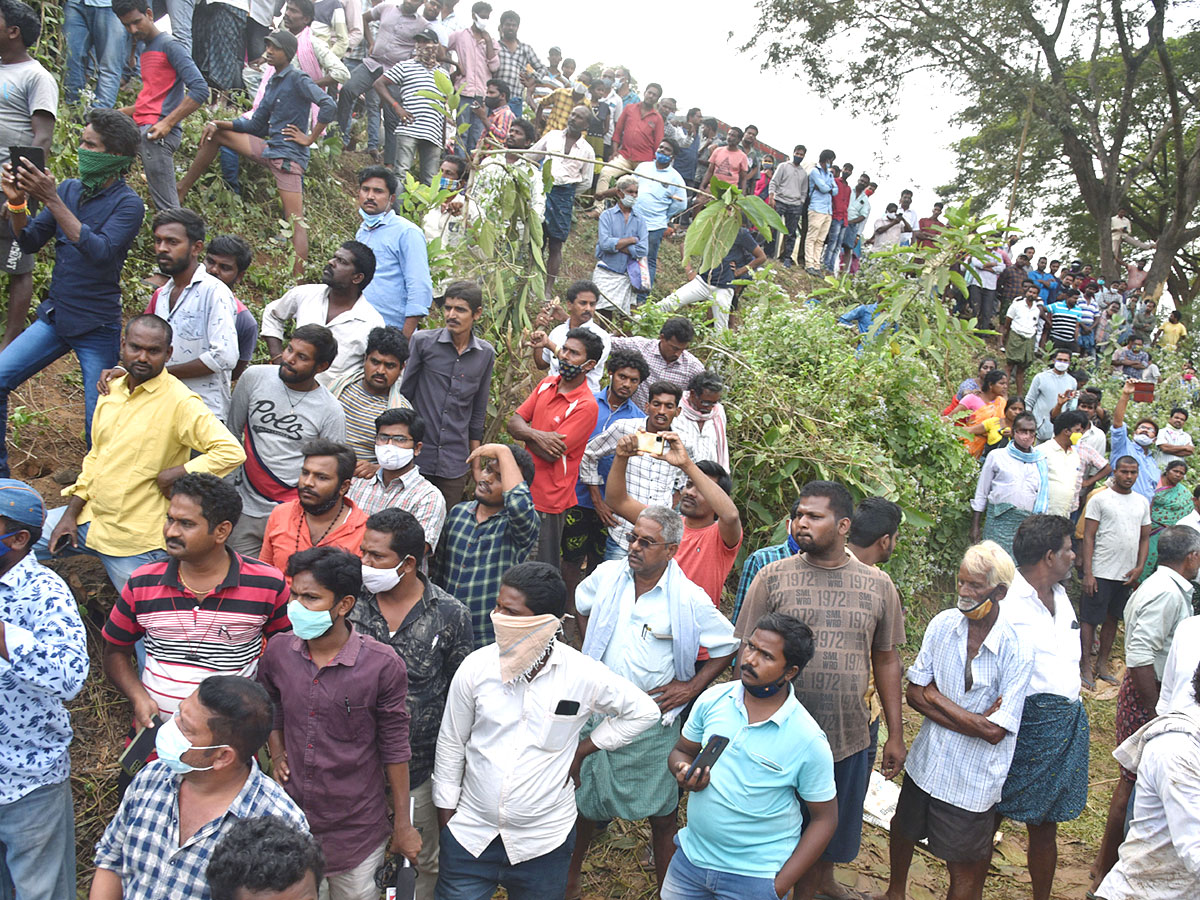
(95, 169)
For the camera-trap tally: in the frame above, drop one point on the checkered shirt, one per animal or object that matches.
(474, 556)
(410, 492)
(968, 772)
(141, 843)
(647, 479)
(512, 66)
(754, 562)
(679, 372)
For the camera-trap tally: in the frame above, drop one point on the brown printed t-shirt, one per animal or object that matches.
(852, 610)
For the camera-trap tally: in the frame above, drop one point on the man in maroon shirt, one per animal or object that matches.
(638, 132)
(841, 205)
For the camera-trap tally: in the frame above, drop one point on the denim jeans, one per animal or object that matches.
(37, 347)
(88, 29)
(181, 12)
(790, 213)
(615, 549)
(463, 877)
(469, 139)
(686, 881)
(516, 104)
(158, 164)
(833, 245)
(119, 568)
(426, 153)
(655, 241)
(37, 845)
(361, 82)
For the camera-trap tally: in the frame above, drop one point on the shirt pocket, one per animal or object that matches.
(351, 724)
(557, 731)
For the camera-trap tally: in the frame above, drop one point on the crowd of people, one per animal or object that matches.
(339, 670)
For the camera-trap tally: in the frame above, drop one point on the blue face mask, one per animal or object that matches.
(371, 219)
(306, 623)
(662, 159)
(170, 744)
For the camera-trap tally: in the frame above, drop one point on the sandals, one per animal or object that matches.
(1110, 679)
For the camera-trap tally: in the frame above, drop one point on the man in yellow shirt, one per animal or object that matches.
(144, 432)
(1173, 331)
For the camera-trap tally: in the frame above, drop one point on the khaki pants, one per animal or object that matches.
(425, 821)
(814, 246)
(614, 169)
(359, 882)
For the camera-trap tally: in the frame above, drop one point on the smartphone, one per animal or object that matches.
(134, 757)
(653, 444)
(64, 540)
(567, 708)
(710, 754)
(35, 155)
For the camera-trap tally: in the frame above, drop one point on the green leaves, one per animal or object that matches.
(715, 228)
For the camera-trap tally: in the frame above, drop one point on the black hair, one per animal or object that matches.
(839, 498)
(1021, 417)
(364, 256)
(159, 324)
(800, 147)
(460, 163)
(116, 130)
(992, 377)
(691, 112)
(628, 359)
(323, 342)
(410, 418)
(1174, 463)
(1179, 409)
(1149, 422)
(338, 571)
(346, 460)
(22, 16)
(677, 328)
(734, 128)
(654, 84)
(501, 87)
(240, 710)
(219, 500)
(407, 537)
(664, 387)
(582, 286)
(592, 345)
(466, 290)
(710, 122)
(542, 586)
(304, 7)
(193, 224)
(389, 341)
(674, 145)
(1125, 460)
(1068, 420)
(874, 517)
(1196, 684)
(1088, 397)
(1038, 535)
(798, 643)
(261, 854)
(482, 9)
(388, 176)
(530, 130)
(717, 473)
(509, 16)
(748, 127)
(232, 246)
(706, 382)
(121, 8)
(826, 156)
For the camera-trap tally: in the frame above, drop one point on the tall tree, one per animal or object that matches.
(1084, 61)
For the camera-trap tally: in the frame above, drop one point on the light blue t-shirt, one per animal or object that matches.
(748, 820)
(402, 285)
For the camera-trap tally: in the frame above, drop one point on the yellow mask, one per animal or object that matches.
(1076, 438)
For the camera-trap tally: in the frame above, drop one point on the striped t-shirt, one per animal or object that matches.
(428, 123)
(187, 641)
(362, 409)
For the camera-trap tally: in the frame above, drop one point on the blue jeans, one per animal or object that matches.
(833, 244)
(655, 241)
(516, 104)
(615, 549)
(37, 845)
(88, 29)
(37, 347)
(119, 568)
(686, 881)
(463, 877)
(469, 139)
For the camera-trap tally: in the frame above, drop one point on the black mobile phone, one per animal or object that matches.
(710, 754)
(567, 708)
(135, 755)
(36, 156)
(63, 541)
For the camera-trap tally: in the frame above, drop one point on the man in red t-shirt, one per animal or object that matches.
(712, 528)
(555, 422)
(927, 229)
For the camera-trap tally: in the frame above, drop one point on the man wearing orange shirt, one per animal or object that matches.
(321, 515)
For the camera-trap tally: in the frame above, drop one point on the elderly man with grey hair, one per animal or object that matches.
(622, 243)
(646, 621)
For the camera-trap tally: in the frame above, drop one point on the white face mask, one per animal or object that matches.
(1061, 365)
(393, 458)
(377, 581)
(481, 24)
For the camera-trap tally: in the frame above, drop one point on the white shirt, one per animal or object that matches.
(1053, 638)
(1192, 520)
(203, 328)
(1120, 519)
(641, 648)
(1095, 439)
(576, 170)
(308, 304)
(700, 436)
(1005, 479)
(1176, 437)
(559, 334)
(1025, 317)
(503, 756)
(885, 240)
(1176, 693)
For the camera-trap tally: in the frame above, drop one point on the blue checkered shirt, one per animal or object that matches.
(141, 843)
(968, 772)
(750, 567)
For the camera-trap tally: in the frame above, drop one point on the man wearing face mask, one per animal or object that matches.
(1067, 460)
(398, 484)
(478, 59)
(354, 721)
(1014, 483)
(622, 241)
(969, 681)
(180, 805)
(1139, 445)
(431, 632)
(508, 752)
(1049, 388)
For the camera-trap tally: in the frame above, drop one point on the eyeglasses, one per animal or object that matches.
(400, 439)
(644, 543)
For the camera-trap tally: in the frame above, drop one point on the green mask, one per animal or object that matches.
(97, 168)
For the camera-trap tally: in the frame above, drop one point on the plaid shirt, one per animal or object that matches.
(679, 372)
(141, 843)
(512, 66)
(969, 772)
(410, 492)
(560, 103)
(474, 556)
(648, 479)
(754, 562)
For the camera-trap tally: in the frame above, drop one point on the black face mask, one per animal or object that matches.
(762, 691)
(493, 102)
